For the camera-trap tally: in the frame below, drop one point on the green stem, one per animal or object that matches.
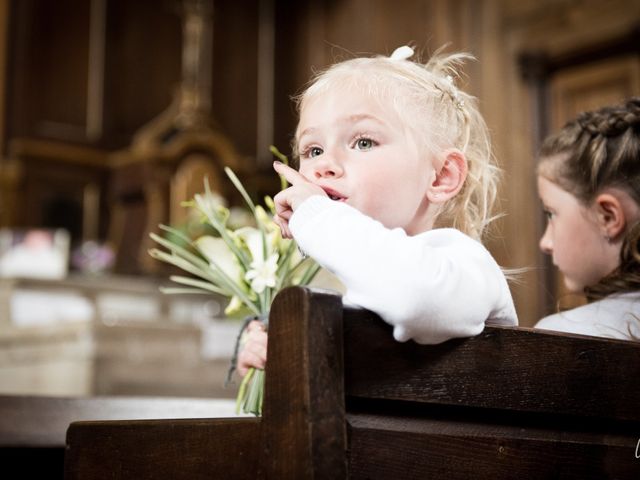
(242, 390)
(182, 291)
(309, 274)
(198, 284)
(252, 207)
(283, 158)
(283, 269)
(253, 404)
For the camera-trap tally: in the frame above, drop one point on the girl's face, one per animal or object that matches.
(358, 150)
(574, 238)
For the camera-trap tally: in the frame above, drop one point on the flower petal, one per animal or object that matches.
(216, 250)
(253, 240)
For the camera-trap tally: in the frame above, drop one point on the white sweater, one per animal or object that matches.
(615, 316)
(431, 287)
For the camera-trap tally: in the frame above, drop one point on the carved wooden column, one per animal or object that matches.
(171, 155)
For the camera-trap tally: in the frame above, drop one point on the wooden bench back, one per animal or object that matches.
(344, 400)
(33, 428)
(509, 403)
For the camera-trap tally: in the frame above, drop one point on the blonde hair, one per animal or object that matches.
(596, 150)
(443, 116)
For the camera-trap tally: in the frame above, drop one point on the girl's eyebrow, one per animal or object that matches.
(359, 117)
(306, 131)
(356, 118)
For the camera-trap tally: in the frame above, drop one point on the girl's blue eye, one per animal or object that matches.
(315, 151)
(548, 214)
(364, 144)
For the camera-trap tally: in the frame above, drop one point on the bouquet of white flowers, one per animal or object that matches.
(249, 265)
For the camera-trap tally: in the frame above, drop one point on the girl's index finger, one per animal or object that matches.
(292, 176)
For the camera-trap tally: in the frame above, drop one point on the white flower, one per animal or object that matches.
(235, 306)
(252, 238)
(211, 204)
(217, 252)
(263, 273)
(210, 201)
(239, 217)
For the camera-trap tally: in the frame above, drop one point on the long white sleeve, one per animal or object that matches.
(431, 287)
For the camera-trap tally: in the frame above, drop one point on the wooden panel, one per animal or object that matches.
(304, 436)
(500, 368)
(177, 449)
(49, 69)
(592, 86)
(235, 74)
(187, 181)
(34, 462)
(54, 185)
(33, 432)
(142, 64)
(485, 407)
(418, 448)
(42, 421)
(4, 42)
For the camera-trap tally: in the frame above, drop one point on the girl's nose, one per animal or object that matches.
(546, 245)
(327, 166)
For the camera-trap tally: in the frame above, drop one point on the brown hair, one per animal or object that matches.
(597, 150)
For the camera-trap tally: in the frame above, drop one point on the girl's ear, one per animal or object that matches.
(610, 215)
(450, 178)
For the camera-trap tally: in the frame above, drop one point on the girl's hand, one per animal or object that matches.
(254, 348)
(289, 199)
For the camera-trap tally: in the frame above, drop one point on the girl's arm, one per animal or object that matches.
(431, 287)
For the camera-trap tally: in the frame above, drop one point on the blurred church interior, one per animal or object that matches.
(112, 112)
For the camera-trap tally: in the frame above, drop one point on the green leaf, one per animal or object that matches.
(242, 391)
(182, 258)
(177, 290)
(283, 158)
(181, 263)
(176, 233)
(309, 274)
(284, 267)
(199, 284)
(236, 182)
(192, 264)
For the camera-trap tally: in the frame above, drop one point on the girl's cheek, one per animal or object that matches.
(302, 168)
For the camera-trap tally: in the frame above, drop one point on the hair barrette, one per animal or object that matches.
(402, 53)
(454, 94)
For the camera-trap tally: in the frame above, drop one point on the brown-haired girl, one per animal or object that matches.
(589, 183)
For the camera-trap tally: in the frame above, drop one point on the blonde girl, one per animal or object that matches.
(394, 191)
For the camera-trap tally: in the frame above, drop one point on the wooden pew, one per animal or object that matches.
(344, 400)
(33, 428)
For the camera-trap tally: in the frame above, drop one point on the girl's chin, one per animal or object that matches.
(572, 286)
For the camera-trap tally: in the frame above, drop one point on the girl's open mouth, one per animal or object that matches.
(333, 195)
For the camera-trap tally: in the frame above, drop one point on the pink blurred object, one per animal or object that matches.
(93, 257)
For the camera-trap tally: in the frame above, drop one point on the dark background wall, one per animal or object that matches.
(80, 79)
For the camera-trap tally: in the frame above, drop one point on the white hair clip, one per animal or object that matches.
(402, 53)
(453, 93)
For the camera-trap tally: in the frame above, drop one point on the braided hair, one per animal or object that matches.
(597, 150)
